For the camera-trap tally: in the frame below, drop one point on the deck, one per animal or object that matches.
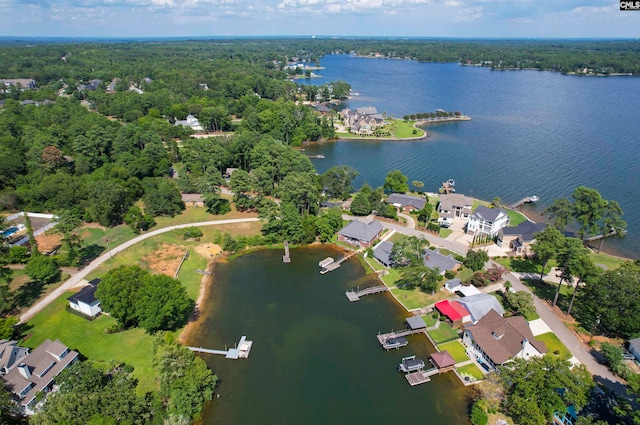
(355, 296)
(241, 352)
(421, 376)
(331, 266)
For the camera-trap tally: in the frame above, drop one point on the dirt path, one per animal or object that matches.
(75, 279)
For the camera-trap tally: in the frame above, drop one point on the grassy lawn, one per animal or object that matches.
(397, 237)
(133, 347)
(515, 218)
(607, 260)
(443, 233)
(472, 370)
(554, 345)
(25, 292)
(547, 291)
(444, 333)
(477, 202)
(430, 320)
(416, 298)
(456, 349)
(403, 129)
(194, 215)
(464, 274)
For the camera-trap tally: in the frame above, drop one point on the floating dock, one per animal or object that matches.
(286, 258)
(420, 377)
(241, 352)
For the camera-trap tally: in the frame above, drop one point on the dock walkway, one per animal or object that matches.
(383, 339)
(327, 266)
(523, 201)
(354, 296)
(240, 352)
(421, 376)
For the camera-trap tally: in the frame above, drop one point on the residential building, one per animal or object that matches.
(85, 302)
(359, 233)
(382, 253)
(452, 285)
(634, 348)
(362, 121)
(406, 203)
(91, 85)
(479, 304)
(453, 311)
(35, 372)
(455, 205)
(191, 122)
(487, 221)
(495, 340)
(519, 238)
(444, 263)
(10, 355)
(192, 199)
(23, 83)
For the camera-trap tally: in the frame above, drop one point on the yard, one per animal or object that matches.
(133, 347)
(456, 349)
(515, 218)
(555, 346)
(430, 320)
(444, 333)
(471, 370)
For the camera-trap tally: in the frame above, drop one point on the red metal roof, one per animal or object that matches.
(452, 309)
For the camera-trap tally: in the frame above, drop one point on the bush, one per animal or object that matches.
(478, 414)
(449, 274)
(192, 233)
(434, 227)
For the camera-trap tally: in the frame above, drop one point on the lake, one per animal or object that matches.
(315, 357)
(532, 133)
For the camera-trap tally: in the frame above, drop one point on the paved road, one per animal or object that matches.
(75, 279)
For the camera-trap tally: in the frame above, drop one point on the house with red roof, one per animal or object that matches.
(454, 312)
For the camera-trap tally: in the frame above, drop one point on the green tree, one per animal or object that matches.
(216, 204)
(546, 246)
(163, 304)
(418, 185)
(396, 182)
(67, 224)
(419, 276)
(137, 220)
(118, 293)
(521, 302)
(560, 213)
(424, 215)
(612, 222)
(107, 202)
(571, 257)
(8, 327)
(360, 204)
(337, 181)
(409, 251)
(162, 197)
(43, 269)
(476, 259)
(588, 210)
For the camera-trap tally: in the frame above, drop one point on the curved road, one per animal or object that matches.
(76, 278)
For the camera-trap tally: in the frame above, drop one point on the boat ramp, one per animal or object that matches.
(240, 352)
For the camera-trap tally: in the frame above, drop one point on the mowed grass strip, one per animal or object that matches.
(472, 370)
(443, 333)
(133, 347)
(456, 349)
(555, 346)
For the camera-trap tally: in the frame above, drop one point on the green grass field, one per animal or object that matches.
(444, 333)
(609, 261)
(515, 218)
(132, 347)
(430, 320)
(456, 349)
(554, 345)
(472, 370)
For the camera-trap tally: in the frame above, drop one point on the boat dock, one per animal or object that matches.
(389, 340)
(240, 352)
(286, 258)
(602, 235)
(315, 156)
(329, 266)
(421, 376)
(524, 201)
(354, 296)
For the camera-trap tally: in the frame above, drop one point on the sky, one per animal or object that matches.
(406, 18)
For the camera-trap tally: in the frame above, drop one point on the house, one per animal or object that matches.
(382, 253)
(487, 221)
(480, 304)
(519, 238)
(228, 172)
(35, 372)
(85, 302)
(467, 291)
(455, 205)
(444, 263)
(362, 120)
(359, 233)
(191, 122)
(111, 88)
(192, 199)
(322, 109)
(10, 354)
(634, 348)
(23, 83)
(406, 203)
(453, 285)
(496, 340)
(91, 85)
(453, 311)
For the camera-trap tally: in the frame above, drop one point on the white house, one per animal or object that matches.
(85, 302)
(191, 122)
(34, 372)
(487, 221)
(496, 340)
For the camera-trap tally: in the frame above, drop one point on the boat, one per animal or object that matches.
(394, 342)
(451, 182)
(410, 364)
(534, 198)
(324, 263)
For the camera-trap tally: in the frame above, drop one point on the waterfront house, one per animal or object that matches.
(192, 199)
(35, 372)
(382, 253)
(85, 302)
(634, 348)
(359, 233)
(487, 221)
(479, 304)
(406, 203)
(452, 285)
(444, 263)
(455, 205)
(191, 122)
(496, 340)
(519, 238)
(453, 311)
(363, 120)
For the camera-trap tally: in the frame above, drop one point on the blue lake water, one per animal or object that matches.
(532, 132)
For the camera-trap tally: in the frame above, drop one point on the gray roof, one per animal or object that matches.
(86, 295)
(407, 200)
(635, 344)
(11, 353)
(480, 304)
(416, 322)
(433, 259)
(358, 230)
(454, 283)
(192, 197)
(383, 252)
(525, 230)
(447, 202)
(367, 110)
(488, 214)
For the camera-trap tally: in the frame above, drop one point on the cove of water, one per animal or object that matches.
(532, 133)
(315, 357)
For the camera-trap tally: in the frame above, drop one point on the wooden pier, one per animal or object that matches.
(286, 258)
(354, 296)
(240, 352)
(421, 376)
(336, 264)
(523, 201)
(602, 235)
(383, 339)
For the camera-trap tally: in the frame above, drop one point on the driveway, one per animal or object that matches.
(76, 279)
